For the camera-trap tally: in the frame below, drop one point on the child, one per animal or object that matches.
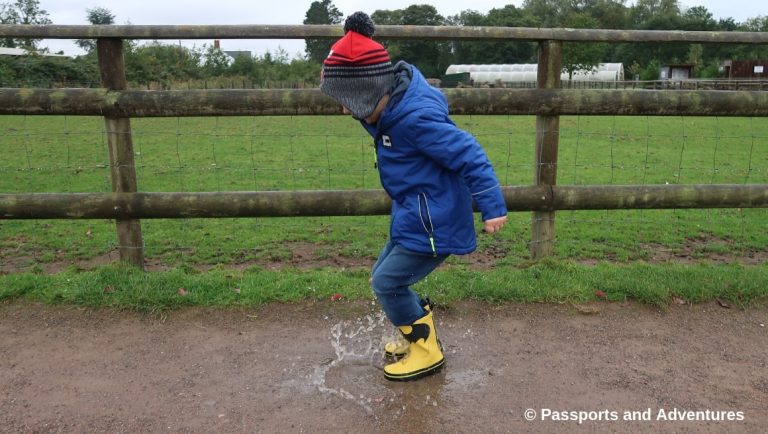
(430, 168)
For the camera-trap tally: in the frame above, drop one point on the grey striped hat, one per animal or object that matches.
(358, 71)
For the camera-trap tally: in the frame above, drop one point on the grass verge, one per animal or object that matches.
(548, 281)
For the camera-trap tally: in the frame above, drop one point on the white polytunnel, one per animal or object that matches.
(524, 72)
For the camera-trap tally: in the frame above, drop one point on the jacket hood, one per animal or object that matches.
(410, 93)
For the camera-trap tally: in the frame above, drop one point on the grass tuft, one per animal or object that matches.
(548, 281)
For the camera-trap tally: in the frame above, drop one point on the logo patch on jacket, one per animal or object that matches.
(386, 141)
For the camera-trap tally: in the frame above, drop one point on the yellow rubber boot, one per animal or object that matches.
(399, 347)
(425, 356)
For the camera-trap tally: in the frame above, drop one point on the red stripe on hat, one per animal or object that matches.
(370, 58)
(356, 49)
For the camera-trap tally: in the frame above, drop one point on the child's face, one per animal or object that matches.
(374, 117)
(370, 119)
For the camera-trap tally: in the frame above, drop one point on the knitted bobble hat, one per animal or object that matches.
(358, 71)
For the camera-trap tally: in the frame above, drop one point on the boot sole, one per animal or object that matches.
(394, 355)
(430, 370)
(400, 355)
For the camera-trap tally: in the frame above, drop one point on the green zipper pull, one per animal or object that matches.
(432, 243)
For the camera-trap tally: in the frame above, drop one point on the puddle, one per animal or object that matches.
(355, 373)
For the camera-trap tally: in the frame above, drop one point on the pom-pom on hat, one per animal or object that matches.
(358, 71)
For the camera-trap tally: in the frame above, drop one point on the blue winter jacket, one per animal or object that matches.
(432, 170)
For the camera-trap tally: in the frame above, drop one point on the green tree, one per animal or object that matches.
(652, 15)
(698, 18)
(551, 13)
(582, 55)
(8, 15)
(242, 66)
(428, 56)
(161, 63)
(756, 24)
(647, 11)
(215, 62)
(610, 14)
(321, 12)
(511, 52)
(480, 52)
(46, 71)
(22, 12)
(744, 52)
(95, 16)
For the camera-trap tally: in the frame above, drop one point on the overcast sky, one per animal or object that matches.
(291, 12)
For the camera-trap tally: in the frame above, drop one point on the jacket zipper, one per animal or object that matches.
(375, 157)
(428, 227)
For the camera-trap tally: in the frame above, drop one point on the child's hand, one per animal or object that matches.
(494, 225)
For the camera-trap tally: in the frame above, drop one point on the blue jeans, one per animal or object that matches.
(393, 274)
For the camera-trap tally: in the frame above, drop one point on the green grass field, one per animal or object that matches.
(69, 154)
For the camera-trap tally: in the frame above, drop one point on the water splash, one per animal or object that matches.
(358, 342)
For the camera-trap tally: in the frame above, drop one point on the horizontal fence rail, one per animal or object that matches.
(365, 202)
(548, 101)
(382, 32)
(271, 102)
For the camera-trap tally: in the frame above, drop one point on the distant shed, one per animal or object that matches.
(746, 68)
(677, 71)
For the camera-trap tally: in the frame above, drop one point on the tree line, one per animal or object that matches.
(169, 65)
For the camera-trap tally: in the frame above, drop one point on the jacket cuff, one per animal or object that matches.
(491, 204)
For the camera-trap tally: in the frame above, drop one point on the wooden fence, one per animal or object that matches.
(548, 101)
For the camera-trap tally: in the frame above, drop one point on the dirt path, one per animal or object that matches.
(316, 367)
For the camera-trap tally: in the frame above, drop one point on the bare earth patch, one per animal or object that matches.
(316, 367)
(303, 255)
(707, 248)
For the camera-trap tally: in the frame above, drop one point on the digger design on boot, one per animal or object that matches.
(425, 357)
(399, 347)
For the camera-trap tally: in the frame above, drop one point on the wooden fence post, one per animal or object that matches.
(547, 138)
(123, 168)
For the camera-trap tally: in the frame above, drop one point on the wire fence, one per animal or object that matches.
(560, 146)
(69, 155)
(248, 83)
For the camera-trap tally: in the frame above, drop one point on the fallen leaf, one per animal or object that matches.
(89, 233)
(182, 292)
(678, 300)
(237, 290)
(600, 294)
(108, 289)
(336, 297)
(723, 304)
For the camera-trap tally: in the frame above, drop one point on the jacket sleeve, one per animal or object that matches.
(457, 150)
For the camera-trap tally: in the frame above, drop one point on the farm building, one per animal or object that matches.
(232, 54)
(488, 74)
(680, 71)
(745, 69)
(5, 51)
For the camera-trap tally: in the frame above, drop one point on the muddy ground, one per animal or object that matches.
(316, 367)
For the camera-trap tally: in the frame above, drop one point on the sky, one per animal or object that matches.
(290, 12)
